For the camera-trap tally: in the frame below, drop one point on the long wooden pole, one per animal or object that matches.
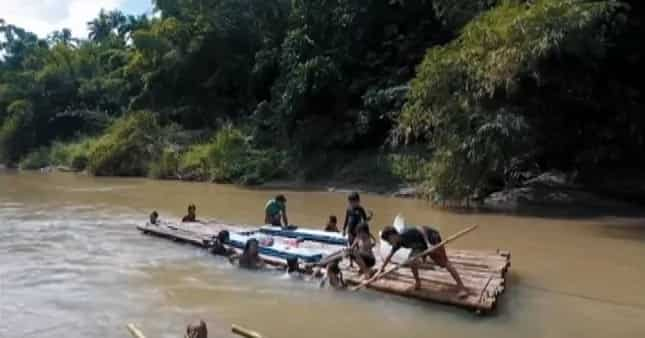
(245, 332)
(411, 259)
(135, 332)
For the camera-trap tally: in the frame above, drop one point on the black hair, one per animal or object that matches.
(333, 267)
(192, 206)
(154, 214)
(247, 246)
(387, 232)
(292, 264)
(354, 196)
(223, 236)
(280, 198)
(333, 218)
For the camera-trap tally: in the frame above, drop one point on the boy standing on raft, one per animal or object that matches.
(354, 216)
(419, 240)
(275, 211)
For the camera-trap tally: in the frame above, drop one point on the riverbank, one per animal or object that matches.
(551, 190)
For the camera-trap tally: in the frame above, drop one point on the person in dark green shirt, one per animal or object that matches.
(275, 211)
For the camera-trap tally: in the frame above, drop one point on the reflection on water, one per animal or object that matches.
(72, 265)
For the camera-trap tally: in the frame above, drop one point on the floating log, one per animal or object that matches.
(482, 271)
(244, 332)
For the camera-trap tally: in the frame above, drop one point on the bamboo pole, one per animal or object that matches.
(134, 331)
(245, 332)
(411, 259)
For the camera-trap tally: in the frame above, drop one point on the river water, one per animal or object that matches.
(73, 265)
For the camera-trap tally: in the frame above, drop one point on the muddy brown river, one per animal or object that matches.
(72, 265)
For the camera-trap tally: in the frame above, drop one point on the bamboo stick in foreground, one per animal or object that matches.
(134, 331)
(411, 259)
(245, 332)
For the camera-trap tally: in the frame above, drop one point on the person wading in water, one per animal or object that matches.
(191, 217)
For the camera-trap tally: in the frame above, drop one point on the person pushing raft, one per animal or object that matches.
(362, 250)
(275, 211)
(419, 240)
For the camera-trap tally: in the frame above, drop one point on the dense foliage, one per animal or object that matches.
(235, 89)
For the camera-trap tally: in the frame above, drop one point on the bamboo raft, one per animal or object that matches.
(483, 272)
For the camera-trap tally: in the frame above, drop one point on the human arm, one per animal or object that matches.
(284, 217)
(387, 260)
(346, 222)
(425, 237)
(369, 215)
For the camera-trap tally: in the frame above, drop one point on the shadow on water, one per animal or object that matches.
(631, 231)
(568, 212)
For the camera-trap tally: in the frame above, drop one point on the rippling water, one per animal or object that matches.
(72, 265)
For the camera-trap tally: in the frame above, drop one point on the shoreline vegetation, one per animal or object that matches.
(463, 103)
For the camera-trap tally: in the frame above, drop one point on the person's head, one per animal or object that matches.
(354, 199)
(292, 264)
(153, 217)
(223, 236)
(332, 268)
(332, 220)
(192, 209)
(251, 247)
(390, 235)
(281, 199)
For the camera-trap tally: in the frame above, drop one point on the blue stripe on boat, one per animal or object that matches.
(274, 252)
(306, 234)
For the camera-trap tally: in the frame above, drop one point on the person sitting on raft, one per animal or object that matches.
(332, 224)
(217, 245)
(275, 211)
(354, 216)
(419, 240)
(154, 218)
(191, 217)
(361, 250)
(250, 258)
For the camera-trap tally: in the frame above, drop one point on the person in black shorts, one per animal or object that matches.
(354, 216)
(419, 240)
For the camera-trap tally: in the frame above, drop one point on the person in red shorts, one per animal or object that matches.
(419, 240)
